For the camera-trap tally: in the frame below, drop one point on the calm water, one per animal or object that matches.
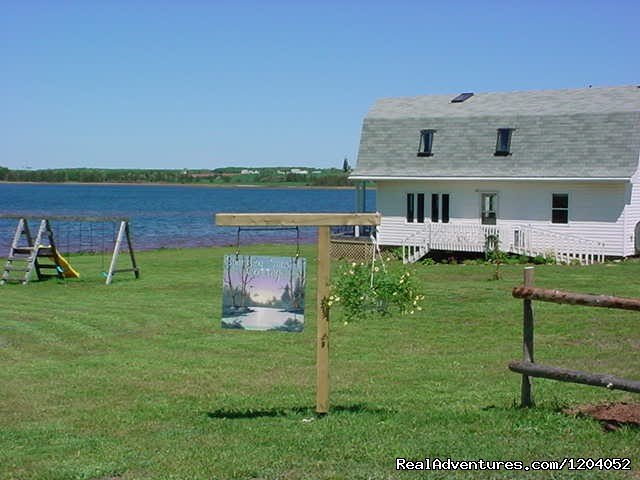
(164, 216)
(262, 318)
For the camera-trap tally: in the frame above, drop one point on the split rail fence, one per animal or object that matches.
(528, 368)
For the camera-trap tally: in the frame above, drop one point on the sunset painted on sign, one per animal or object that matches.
(263, 293)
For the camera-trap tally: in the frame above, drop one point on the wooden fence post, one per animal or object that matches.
(322, 316)
(526, 399)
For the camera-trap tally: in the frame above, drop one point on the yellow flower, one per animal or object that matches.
(376, 269)
(419, 309)
(411, 312)
(354, 264)
(329, 303)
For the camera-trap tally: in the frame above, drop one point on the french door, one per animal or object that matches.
(489, 208)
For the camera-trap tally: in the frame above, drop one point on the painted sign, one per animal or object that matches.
(263, 293)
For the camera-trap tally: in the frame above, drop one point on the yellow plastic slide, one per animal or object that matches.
(68, 270)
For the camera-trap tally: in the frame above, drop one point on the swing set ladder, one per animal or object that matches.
(24, 259)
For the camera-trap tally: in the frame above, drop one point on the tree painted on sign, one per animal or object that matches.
(295, 286)
(237, 281)
(247, 275)
(228, 282)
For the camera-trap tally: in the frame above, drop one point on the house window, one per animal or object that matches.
(420, 216)
(489, 206)
(411, 206)
(440, 207)
(560, 208)
(426, 143)
(435, 210)
(445, 208)
(503, 142)
(415, 207)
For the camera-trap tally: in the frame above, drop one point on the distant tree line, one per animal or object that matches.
(226, 175)
(91, 175)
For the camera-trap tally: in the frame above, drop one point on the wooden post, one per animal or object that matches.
(123, 234)
(116, 252)
(322, 335)
(527, 341)
(134, 265)
(323, 221)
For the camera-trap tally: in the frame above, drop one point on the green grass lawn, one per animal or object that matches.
(138, 381)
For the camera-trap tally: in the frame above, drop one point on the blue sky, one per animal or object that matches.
(205, 84)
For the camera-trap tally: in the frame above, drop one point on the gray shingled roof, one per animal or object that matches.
(585, 133)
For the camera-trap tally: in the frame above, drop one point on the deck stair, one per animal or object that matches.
(415, 246)
(26, 254)
(520, 240)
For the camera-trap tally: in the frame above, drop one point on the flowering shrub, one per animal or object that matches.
(392, 290)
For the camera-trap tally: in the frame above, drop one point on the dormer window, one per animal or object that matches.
(426, 143)
(503, 143)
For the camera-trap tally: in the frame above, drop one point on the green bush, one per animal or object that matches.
(539, 260)
(392, 290)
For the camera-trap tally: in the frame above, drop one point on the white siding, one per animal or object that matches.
(632, 213)
(596, 210)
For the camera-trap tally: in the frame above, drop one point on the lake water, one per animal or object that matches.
(165, 216)
(262, 318)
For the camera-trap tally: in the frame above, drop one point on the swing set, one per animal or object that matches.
(29, 254)
(324, 222)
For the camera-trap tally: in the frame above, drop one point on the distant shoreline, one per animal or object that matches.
(192, 185)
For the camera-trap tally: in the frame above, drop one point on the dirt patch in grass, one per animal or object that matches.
(612, 415)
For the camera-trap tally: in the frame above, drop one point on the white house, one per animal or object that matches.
(543, 172)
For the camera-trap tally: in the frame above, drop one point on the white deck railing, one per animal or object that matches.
(534, 241)
(521, 240)
(415, 246)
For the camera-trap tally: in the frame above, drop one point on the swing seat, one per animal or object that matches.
(67, 270)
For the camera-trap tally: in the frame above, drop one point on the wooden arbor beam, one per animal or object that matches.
(296, 219)
(323, 221)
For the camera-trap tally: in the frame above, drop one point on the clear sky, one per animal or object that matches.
(205, 84)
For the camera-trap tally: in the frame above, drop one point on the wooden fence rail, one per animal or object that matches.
(575, 376)
(558, 296)
(528, 368)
